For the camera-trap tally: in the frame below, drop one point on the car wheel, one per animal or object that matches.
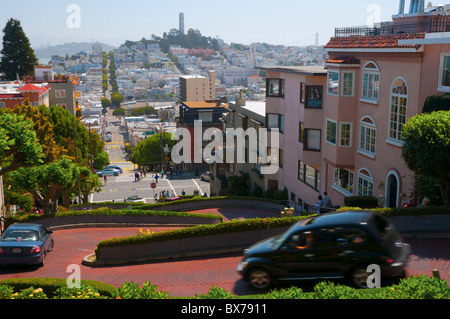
(259, 279)
(50, 247)
(41, 264)
(115, 174)
(358, 276)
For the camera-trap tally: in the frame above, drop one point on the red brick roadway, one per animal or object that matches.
(186, 278)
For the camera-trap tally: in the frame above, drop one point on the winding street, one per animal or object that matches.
(187, 277)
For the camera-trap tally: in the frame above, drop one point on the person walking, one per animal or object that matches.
(105, 179)
(326, 202)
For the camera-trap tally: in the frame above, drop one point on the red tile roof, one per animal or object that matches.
(372, 42)
(29, 87)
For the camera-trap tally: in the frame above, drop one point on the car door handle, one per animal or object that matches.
(346, 252)
(309, 255)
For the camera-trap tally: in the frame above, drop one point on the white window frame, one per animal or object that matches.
(365, 183)
(316, 139)
(442, 88)
(2, 105)
(350, 140)
(328, 83)
(343, 84)
(365, 138)
(350, 181)
(335, 132)
(370, 72)
(396, 140)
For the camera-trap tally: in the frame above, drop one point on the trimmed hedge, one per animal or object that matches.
(361, 201)
(104, 211)
(415, 287)
(186, 199)
(404, 211)
(203, 230)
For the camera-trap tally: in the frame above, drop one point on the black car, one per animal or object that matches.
(330, 246)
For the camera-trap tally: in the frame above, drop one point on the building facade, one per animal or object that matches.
(341, 127)
(198, 88)
(246, 115)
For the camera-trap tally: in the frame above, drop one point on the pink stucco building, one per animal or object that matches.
(342, 124)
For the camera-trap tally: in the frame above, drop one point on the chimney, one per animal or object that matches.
(240, 101)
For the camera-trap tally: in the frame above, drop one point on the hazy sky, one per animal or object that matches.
(287, 22)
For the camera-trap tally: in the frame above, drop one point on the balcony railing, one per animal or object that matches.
(430, 25)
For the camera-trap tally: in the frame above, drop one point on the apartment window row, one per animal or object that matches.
(346, 87)
(309, 175)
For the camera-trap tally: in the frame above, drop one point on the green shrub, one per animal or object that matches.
(131, 290)
(258, 192)
(105, 211)
(361, 201)
(404, 211)
(6, 291)
(216, 293)
(423, 287)
(280, 195)
(51, 285)
(202, 230)
(437, 102)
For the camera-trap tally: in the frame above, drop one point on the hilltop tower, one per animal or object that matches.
(181, 23)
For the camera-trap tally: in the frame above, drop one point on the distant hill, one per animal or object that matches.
(68, 48)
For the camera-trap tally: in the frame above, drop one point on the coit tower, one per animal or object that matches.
(181, 23)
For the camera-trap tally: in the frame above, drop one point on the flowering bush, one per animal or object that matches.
(287, 212)
(30, 293)
(87, 292)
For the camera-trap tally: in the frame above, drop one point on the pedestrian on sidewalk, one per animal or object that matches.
(105, 179)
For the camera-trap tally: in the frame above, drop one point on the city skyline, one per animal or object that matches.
(290, 23)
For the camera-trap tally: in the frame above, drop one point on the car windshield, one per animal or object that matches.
(20, 235)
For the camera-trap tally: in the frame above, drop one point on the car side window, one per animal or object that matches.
(352, 236)
(41, 232)
(300, 241)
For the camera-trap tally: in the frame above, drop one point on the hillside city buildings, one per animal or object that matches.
(339, 109)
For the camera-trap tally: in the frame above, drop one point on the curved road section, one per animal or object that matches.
(188, 277)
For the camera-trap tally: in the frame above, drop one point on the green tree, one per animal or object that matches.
(238, 185)
(44, 131)
(106, 102)
(48, 182)
(149, 151)
(17, 56)
(117, 99)
(119, 112)
(426, 148)
(138, 112)
(150, 110)
(19, 145)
